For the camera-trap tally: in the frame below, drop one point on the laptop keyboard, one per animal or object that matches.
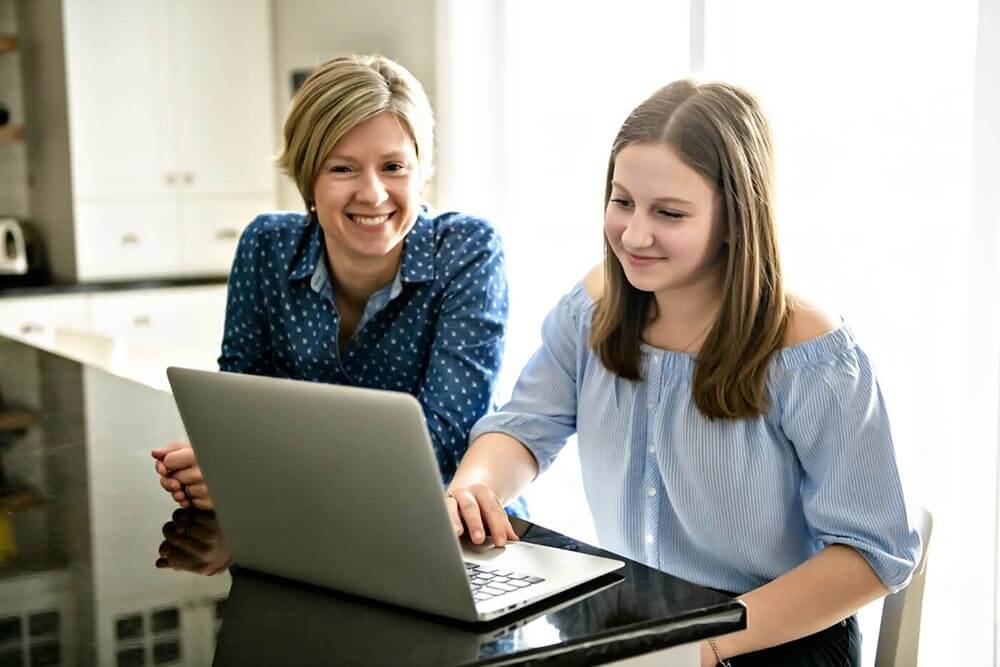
(490, 582)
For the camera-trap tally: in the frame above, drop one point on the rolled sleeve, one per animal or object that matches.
(836, 419)
(467, 348)
(542, 411)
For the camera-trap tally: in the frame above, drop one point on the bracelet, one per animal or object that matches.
(718, 656)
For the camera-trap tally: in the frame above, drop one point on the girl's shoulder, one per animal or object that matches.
(807, 321)
(817, 340)
(593, 282)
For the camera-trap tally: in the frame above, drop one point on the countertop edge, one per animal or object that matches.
(111, 285)
(628, 642)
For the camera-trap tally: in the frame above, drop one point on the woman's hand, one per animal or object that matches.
(180, 475)
(477, 507)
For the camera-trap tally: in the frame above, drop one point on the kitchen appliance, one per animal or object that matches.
(21, 259)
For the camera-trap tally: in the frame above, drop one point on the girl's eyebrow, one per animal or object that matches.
(658, 200)
(673, 200)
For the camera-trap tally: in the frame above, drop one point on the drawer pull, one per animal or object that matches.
(227, 234)
(170, 178)
(30, 328)
(142, 321)
(130, 239)
(188, 178)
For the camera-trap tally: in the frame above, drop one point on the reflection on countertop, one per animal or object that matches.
(80, 519)
(97, 566)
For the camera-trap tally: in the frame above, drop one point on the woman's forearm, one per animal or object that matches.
(825, 589)
(498, 461)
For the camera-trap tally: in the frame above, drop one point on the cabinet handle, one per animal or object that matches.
(227, 234)
(29, 328)
(142, 321)
(130, 239)
(188, 178)
(170, 178)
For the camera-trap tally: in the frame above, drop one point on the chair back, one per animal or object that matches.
(899, 633)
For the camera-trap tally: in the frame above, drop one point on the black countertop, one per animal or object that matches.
(97, 566)
(14, 288)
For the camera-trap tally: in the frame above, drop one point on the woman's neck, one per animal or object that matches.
(356, 278)
(684, 316)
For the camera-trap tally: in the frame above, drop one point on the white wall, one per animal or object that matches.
(310, 32)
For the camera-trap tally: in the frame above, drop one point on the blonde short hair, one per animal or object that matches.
(339, 95)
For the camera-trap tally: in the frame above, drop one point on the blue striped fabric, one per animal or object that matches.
(723, 503)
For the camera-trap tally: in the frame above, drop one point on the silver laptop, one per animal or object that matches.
(339, 487)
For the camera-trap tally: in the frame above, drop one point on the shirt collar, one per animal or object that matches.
(417, 265)
(309, 252)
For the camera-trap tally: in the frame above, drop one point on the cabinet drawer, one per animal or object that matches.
(181, 317)
(35, 319)
(126, 239)
(210, 231)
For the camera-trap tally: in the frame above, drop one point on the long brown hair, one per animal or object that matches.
(720, 132)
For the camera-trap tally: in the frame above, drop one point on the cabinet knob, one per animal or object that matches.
(30, 328)
(170, 178)
(188, 178)
(142, 321)
(227, 234)
(130, 239)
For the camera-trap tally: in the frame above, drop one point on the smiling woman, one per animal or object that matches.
(367, 287)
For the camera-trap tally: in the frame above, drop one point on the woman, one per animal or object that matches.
(729, 433)
(367, 288)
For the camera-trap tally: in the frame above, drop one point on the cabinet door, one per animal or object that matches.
(115, 52)
(126, 238)
(221, 74)
(35, 319)
(210, 230)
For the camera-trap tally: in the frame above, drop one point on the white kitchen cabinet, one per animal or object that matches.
(210, 230)
(116, 60)
(127, 238)
(220, 69)
(169, 96)
(132, 333)
(170, 143)
(180, 317)
(35, 319)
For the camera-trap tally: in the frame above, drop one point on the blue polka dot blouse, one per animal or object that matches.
(436, 331)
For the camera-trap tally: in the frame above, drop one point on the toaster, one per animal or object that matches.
(20, 253)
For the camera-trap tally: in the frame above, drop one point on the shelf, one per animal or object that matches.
(8, 43)
(10, 133)
(19, 495)
(17, 419)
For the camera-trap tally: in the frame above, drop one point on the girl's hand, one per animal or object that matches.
(476, 507)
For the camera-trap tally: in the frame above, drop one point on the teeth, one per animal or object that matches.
(371, 222)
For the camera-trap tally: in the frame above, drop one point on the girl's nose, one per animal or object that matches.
(637, 234)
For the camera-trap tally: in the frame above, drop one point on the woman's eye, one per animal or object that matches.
(624, 203)
(395, 166)
(673, 215)
(340, 169)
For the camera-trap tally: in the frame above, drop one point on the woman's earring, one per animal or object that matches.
(312, 208)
